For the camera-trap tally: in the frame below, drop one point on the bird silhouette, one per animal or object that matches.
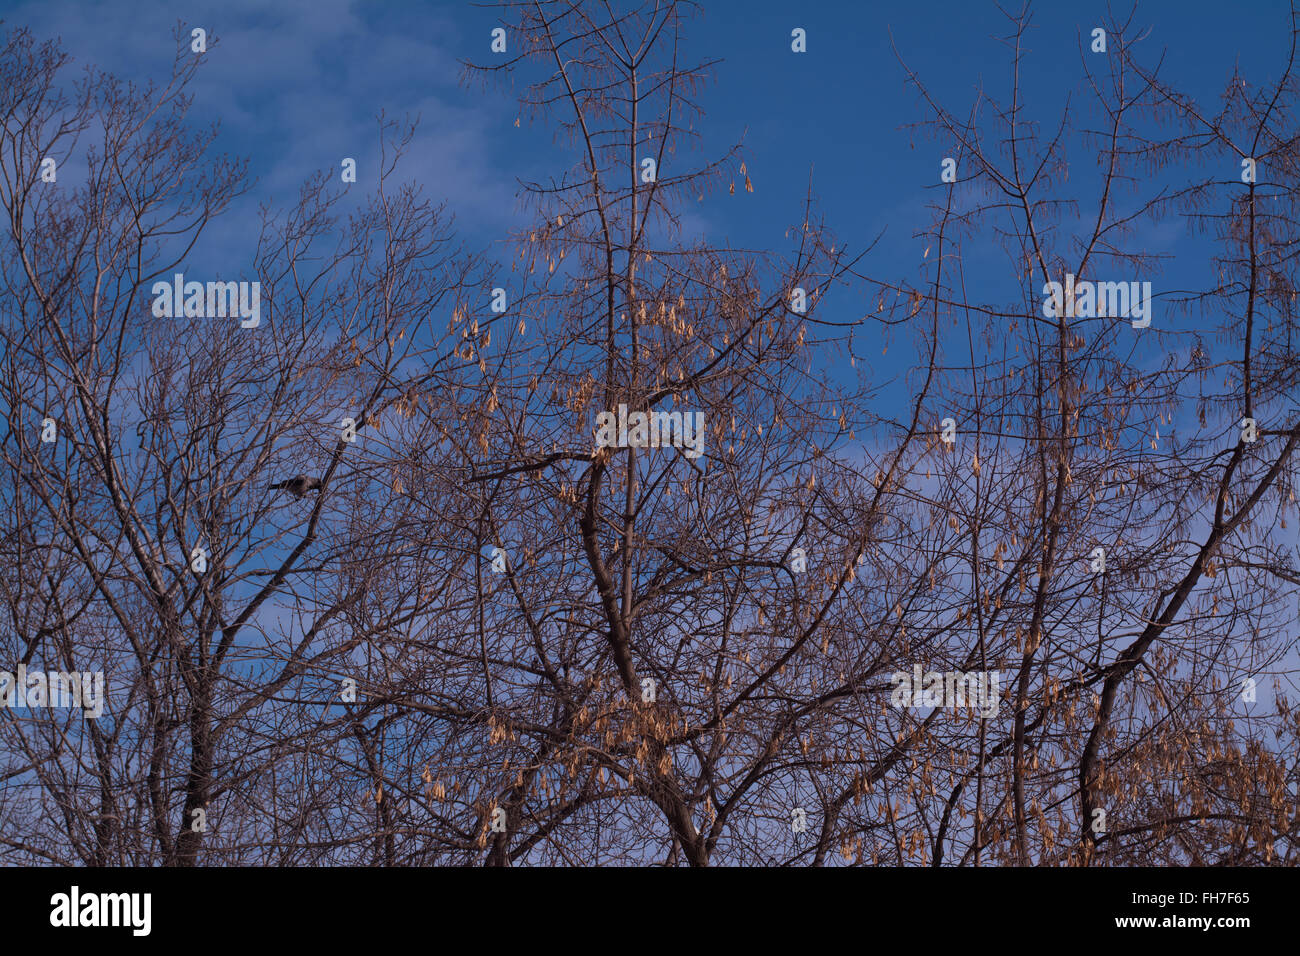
(299, 485)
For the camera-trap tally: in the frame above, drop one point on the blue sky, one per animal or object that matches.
(297, 85)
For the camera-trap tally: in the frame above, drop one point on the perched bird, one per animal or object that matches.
(299, 485)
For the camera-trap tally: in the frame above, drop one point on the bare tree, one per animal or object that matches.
(377, 582)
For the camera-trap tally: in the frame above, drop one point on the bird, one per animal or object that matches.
(299, 485)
